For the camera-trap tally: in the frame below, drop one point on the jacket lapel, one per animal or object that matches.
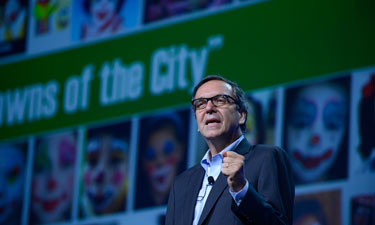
(191, 194)
(243, 147)
(215, 193)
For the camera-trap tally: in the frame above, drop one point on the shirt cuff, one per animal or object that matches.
(238, 196)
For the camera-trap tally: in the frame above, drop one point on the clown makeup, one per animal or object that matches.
(316, 129)
(12, 164)
(161, 160)
(53, 177)
(102, 11)
(308, 219)
(251, 125)
(105, 173)
(11, 10)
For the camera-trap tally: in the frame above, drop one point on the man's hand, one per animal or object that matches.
(233, 168)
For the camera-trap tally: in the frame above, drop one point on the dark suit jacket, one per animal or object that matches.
(269, 199)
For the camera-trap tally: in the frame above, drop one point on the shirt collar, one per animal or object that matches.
(205, 162)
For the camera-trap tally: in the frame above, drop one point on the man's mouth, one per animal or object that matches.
(212, 121)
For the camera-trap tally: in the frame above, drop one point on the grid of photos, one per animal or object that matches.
(120, 172)
(29, 27)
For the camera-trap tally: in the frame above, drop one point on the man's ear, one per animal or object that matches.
(243, 117)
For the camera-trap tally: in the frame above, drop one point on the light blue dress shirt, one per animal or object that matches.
(213, 168)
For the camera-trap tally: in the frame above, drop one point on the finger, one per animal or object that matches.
(228, 160)
(233, 160)
(233, 168)
(232, 154)
(227, 171)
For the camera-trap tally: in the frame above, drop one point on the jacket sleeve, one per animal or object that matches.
(270, 197)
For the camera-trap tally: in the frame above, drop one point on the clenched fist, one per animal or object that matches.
(232, 167)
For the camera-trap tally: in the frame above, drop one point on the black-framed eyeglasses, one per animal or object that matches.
(217, 100)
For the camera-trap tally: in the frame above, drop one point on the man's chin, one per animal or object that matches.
(212, 135)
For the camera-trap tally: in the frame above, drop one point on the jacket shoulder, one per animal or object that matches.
(188, 173)
(268, 149)
(268, 152)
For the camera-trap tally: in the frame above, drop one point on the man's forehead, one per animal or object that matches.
(213, 87)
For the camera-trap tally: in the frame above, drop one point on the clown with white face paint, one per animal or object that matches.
(105, 174)
(104, 18)
(315, 129)
(53, 178)
(12, 165)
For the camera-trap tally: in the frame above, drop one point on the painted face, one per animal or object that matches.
(102, 11)
(308, 219)
(11, 10)
(53, 178)
(105, 173)
(161, 159)
(12, 164)
(218, 122)
(251, 125)
(316, 129)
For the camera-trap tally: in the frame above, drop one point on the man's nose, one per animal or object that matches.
(210, 106)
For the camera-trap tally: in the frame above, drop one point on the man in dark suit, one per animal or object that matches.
(235, 183)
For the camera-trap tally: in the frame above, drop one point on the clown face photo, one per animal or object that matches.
(93, 19)
(161, 157)
(12, 174)
(316, 126)
(13, 20)
(261, 119)
(105, 171)
(53, 177)
(319, 208)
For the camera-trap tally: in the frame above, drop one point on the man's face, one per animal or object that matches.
(218, 122)
(316, 130)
